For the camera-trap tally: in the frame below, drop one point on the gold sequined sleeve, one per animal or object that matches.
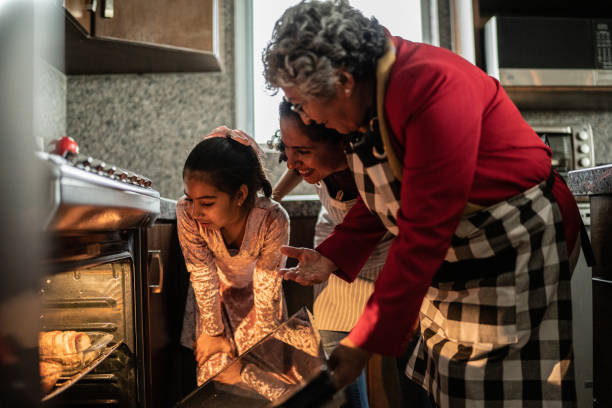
(267, 283)
(202, 269)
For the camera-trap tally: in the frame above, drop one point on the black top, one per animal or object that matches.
(341, 185)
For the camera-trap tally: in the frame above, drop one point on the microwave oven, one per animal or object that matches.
(549, 51)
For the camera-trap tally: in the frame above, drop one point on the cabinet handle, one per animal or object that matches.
(109, 9)
(156, 254)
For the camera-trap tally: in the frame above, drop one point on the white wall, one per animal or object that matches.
(401, 18)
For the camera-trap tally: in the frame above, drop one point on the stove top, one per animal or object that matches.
(88, 194)
(101, 168)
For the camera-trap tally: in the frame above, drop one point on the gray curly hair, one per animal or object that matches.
(314, 39)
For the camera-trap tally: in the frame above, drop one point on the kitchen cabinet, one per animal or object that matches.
(601, 237)
(545, 97)
(170, 368)
(141, 36)
(596, 183)
(602, 354)
(601, 230)
(301, 234)
(81, 11)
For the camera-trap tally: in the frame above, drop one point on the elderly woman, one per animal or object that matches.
(485, 231)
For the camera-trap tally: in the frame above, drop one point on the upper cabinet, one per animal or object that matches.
(554, 54)
(141, 36)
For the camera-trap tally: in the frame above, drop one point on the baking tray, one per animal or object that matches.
(66, 381)
(73, 363)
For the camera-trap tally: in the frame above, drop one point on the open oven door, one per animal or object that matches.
(287, 368)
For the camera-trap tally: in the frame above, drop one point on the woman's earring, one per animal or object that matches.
(347, 91)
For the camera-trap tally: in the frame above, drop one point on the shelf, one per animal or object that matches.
(561, 98)
(87, 55)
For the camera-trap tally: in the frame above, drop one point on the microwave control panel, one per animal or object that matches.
(603, 43)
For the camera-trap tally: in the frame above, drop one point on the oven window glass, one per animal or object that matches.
(287, 368)
(86, 314)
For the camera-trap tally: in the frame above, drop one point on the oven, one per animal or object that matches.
(571, 145)
(106, 284)
(572, 149)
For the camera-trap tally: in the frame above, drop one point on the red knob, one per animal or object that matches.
(65, 146)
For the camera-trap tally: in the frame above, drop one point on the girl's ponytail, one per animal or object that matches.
(264, 182)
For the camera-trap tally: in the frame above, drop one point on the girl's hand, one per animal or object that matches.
(346, 362)
(206, 346)
(312, 268)
(230, 375)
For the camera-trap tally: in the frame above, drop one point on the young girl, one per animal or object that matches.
(230, 239)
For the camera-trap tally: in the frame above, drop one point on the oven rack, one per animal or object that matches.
(70, 380)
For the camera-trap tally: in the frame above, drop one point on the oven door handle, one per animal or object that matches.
(155, 254)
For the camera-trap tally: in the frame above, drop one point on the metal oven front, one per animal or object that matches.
(93, 339)
(572, 146)
(89, 292)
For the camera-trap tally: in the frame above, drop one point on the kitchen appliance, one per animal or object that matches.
(105, 274)
(572, 146)
(549, 51)
(287, 368)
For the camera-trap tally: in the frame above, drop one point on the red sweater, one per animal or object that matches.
(464, 140)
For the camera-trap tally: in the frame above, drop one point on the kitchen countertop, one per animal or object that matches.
(296, 205)
(592, 181)
(167, 209)
(307, 205)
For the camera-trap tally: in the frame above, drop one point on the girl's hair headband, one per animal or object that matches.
(237, 135)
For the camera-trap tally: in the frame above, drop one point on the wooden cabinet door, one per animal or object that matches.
(168, 374)
(301, 235)
(81, 12)
(178, 23)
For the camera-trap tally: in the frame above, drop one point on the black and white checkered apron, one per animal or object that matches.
(495, 324)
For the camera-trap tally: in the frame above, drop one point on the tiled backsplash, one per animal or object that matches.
(50, 105)
(149, 123)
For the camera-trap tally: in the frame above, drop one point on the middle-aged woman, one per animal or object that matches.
(316, 155)
(485, 232)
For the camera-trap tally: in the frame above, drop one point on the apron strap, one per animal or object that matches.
(589, 256)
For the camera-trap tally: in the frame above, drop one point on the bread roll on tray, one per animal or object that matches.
(64, 347)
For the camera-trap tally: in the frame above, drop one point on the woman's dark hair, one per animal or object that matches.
(228, 164)
(315, 132)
